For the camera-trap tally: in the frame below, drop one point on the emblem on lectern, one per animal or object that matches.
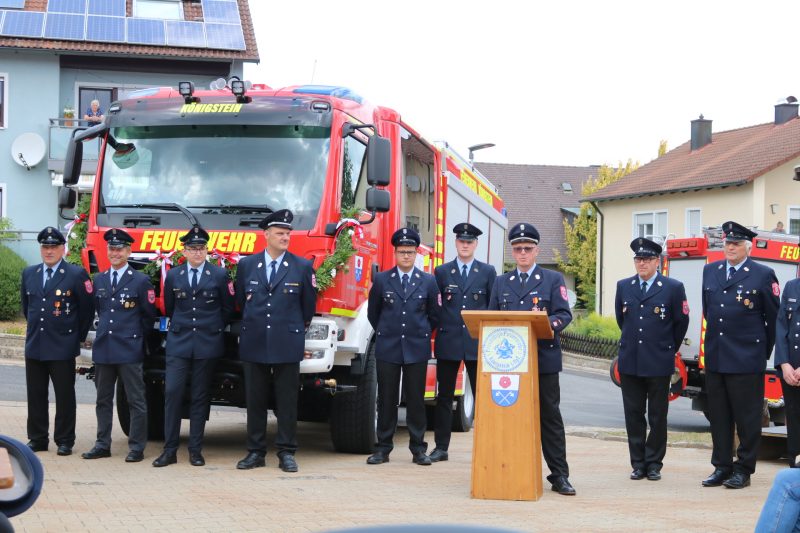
(505, 389)
(505, 349)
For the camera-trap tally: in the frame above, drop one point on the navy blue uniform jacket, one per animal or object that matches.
(60, 315)
(126, 315)
(740, 317)
(787, 330)
(546, 291)
(197, 317)
(653, 326)
(274, 319)
(452, 338)
(403, 323)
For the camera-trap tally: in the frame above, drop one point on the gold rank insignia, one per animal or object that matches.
(746, 302)
(657, 310)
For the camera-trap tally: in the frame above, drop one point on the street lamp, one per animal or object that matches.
(475, 148)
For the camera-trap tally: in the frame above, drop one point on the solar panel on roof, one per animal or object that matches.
(217, 11)
(13, 4)
(146, 31)
(67, 6)
(112, 8)
(180, 33)
(110, 29)
(23, 24)
(225, 36)
(65, 26)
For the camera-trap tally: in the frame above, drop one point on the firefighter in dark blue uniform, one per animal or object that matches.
(403, 309)
(787, 363)
(199, 300)
(57, 302)
(530, 287)
(653, 315)
(125, 302)
(740, 305)
(277, 293)
(464, 283)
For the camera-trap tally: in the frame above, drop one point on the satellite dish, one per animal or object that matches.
(28, 150)
(572, 298)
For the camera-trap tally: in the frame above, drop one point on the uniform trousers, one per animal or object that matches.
(285, 379)
(177, 372)
(554, 441)
(38, 375)
(413, 378)
(130, 375)
(651, 394)
(735, 400)
(791, 395)
(446, 375)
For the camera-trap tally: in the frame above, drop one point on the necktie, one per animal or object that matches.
(49, 276)
(523, 278)
(114, 281)
(404, 283)
(731, 272)
(194, 278)
(464, 273)
(272, 268)
(644, 288)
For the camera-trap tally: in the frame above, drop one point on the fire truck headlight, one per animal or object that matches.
(315, 354)
(237, 88)
(186, 88)
(317, 332)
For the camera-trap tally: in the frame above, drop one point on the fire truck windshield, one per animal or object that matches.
(217, 170)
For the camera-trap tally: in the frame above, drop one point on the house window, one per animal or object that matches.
(652, 225)
(158, 9)
(694, 222)
(794, 220)
(3, 100)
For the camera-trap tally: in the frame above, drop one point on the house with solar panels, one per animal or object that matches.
(57, 56)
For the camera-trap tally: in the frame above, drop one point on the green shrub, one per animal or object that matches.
(11, 266)
(594, 325)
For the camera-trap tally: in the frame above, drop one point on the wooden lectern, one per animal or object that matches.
(507, 446)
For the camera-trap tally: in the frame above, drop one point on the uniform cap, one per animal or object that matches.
(279, 219)
(523, 232)
(645, 248)
(736, 232)
(50, 236)
(195, 236)
(405, 237)
(466, 232)
(117, 238)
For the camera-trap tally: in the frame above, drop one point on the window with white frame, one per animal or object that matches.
(694, 222)
(3, 99)
(158, 9)
(794, 220)
(652, 224)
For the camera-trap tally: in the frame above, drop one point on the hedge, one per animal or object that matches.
(11, 267)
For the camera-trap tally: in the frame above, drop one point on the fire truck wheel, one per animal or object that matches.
(123, 412)
(613, 370)
(464, 412)
(354, 414)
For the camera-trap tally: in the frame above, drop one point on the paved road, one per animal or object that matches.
(587, 399)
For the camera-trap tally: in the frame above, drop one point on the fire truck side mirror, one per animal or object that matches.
(379, 155)
(378, 200)
(72, 161)
(67, 198)
(796, 173)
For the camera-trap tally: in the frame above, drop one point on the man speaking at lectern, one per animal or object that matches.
(532, 288)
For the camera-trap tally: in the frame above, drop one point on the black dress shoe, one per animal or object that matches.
(196, 459)
(253, 460)
(562, 486)
(37, 446)
(637, 474)
(134, 457)
(654, 475)
(166, 458)
(96, 453)
(420, 458)
(438, 455)
(378, 458)
(716, 478)
(287, 462)
(64, 450)
(738, 480)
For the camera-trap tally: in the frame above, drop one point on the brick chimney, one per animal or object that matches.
(701, 133)
(786, 111)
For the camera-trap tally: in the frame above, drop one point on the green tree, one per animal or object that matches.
(581, 235)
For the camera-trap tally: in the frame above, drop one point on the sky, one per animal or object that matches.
(561, 82)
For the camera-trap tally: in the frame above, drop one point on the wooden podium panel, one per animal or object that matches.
(507, 445)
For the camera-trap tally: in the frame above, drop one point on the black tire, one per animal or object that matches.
(354, 414)
(154, 393)
(464, 412)
(123, 411)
